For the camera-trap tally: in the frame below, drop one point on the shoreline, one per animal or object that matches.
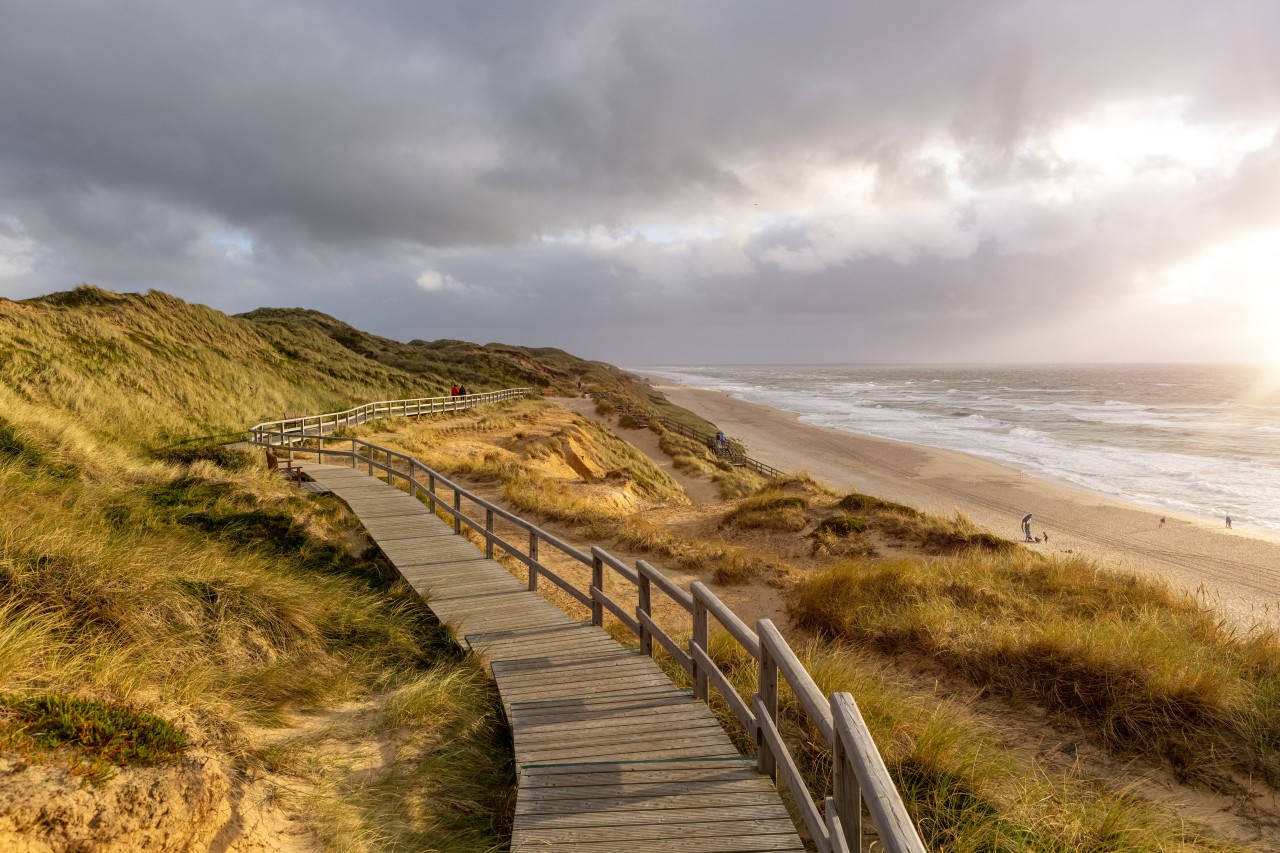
(1232, 570)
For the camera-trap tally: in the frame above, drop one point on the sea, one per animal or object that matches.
(1199, 440)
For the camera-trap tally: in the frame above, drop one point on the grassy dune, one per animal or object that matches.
(157, 584)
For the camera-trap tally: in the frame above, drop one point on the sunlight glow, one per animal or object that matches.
(1244, 272)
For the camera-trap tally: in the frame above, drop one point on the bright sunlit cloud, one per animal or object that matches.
(1122, 139)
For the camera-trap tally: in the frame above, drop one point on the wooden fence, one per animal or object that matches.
(292, 430)
(859, 777)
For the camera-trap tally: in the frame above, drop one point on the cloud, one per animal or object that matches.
(560, 171)
(433, 281)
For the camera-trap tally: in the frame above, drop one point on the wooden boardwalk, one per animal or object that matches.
(610, 755)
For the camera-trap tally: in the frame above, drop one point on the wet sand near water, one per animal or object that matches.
(1236, 571)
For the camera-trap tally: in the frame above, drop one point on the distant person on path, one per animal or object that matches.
(1228, 522)
(454, 392)
(1162, 521)
(462, 390)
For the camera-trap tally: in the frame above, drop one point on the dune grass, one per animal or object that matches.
(218, 602)
(966, 790)
(1149, 673)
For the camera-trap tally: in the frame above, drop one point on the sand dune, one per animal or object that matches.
(1237, 570)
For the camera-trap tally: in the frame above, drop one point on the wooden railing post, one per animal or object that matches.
(701, 634)
(644, 604)
(353, 453)
(766, 763)
(846, 794)
(488, 531)
(457, 510)
(413, 482)
(533, 561)
(597, 580)
(431, 491)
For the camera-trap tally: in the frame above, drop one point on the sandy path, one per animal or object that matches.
(1236, 570)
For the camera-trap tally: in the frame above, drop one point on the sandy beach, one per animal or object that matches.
(1237, 571)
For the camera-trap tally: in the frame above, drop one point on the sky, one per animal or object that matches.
(725, 181)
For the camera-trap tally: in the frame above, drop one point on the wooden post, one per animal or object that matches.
(700, 638)
(845, 793)
(431, 490)
(533, 561)
(597, 580)
(488, 530)
(766, 763)
(413, 483)
(457, 506)
(353, 453)
(644, 604)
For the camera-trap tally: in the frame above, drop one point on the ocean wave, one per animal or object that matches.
(1199, 449)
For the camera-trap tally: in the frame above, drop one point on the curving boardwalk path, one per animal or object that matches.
(610, 755)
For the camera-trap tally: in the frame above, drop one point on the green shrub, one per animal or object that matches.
(854, 502)
(106, 733)
(232, 459)
(842, 525)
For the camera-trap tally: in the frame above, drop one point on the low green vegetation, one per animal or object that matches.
(857, 502)
(841, 525)
(771, 507)
(99, 733)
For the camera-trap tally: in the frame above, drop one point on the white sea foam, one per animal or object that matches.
(1178, 437)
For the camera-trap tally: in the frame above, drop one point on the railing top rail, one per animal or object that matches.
(470, 399)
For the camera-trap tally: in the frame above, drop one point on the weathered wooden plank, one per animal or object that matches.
(621, 664)
(624, 788)
(705, 743)
(653, 831)
(684, 748)
(673, 843)
(672, 813)
(688, 716)
(647, 699)
(762, 802)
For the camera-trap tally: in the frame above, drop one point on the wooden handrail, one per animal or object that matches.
(858, 774)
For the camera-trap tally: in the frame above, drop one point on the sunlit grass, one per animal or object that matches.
(1150, 673)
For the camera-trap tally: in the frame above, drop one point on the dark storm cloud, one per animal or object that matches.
(543, 172)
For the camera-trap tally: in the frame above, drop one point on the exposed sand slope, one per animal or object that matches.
(1237, 570)
(699, 490)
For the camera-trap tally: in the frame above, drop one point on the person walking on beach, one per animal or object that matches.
(1162, 521)
(1228, 522)
(1026, 527)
